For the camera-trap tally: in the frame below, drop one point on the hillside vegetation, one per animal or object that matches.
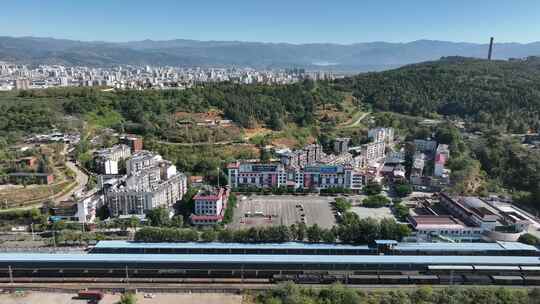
(496, 94)
(151, 113)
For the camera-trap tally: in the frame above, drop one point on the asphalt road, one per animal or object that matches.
(80, 177)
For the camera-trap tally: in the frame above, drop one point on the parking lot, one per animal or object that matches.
(268, 210)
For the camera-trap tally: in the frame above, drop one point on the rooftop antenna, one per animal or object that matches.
(490, 48)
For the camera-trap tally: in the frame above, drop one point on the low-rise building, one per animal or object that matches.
(417, 169)
(196, 181)
(472, 211)
(210, 206)
(441, 158)
(425, 145)
(470, 218)
(31, 178)
(260, 175)
(27, 162)
(314, 176)
(446, 226)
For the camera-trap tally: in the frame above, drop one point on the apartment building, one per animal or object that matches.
(106, 160)
(151, 182)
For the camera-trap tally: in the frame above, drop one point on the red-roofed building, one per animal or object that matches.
(210, 206)
(448, 226)
(196, 181)
(27, 162)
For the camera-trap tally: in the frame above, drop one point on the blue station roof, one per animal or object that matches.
(268, 259)
(498, 246)
(214, 245)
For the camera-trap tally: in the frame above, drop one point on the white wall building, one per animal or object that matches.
(382, 135)
(150, 183)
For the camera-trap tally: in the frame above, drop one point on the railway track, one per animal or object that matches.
(265, 283)
(201, 288)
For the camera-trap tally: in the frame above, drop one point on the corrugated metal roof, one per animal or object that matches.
(500, 246)
(268, 259)
(214, 245)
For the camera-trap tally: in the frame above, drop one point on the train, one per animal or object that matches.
(401, 279)
(306, 279)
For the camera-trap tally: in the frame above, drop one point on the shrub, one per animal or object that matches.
(375, 201)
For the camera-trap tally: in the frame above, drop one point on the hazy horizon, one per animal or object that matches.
(281, 42)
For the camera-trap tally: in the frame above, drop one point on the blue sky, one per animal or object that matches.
(295, 21)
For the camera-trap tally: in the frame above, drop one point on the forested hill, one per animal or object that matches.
(150, 112)
(495, 93)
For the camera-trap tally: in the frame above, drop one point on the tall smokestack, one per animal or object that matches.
(490, 48)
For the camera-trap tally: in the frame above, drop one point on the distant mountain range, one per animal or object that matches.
(356, 57)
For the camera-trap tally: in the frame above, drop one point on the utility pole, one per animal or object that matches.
(10, 274)
(54, 239)
(127, 276)
(218, 178)
(32, 229)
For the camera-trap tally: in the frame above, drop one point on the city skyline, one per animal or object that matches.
(278, 22)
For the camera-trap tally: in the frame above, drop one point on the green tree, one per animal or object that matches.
(328, 236)
(134, 222)
(403, 190)
(177, 221)
(128, 298)
(529, 239)
(342, 204)
(208, 236)
(314, 233)
(159, 217)
(301, 232)
(372, 188)
(226, 235)
(375, 201)
(401, 211)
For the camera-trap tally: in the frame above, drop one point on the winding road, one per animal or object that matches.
(357, 121)
(80, 177)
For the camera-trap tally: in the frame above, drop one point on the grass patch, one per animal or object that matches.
(104, 118)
